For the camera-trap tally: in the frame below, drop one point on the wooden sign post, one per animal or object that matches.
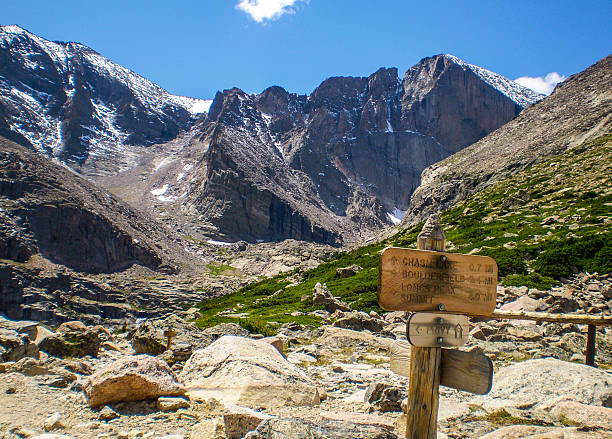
(428, 279)
(425, 363)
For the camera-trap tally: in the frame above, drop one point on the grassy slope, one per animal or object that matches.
(539, 225)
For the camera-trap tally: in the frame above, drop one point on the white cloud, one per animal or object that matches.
(541, 84)
(262, 10)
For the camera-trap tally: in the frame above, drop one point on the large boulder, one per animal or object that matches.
(539, 381)
(132, 378)
(322, 297)
(72, 339)
(247, 372)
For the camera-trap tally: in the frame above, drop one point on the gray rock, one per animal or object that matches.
(349, 271)
(247, 372)
(359, 321)
(15, 346)
(538, 381)
(384, 397)
(322, 297)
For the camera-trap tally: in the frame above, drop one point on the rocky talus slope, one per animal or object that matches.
(69, 102)
(578, 110)
(334, 165)
(59, 231)
(330, 382)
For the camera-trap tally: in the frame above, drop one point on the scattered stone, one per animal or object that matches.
(149, 338)
(171, 404)
(240, 420)
(209, 429)
(277, 342)
(15, 346)
(107, 414)
(110, 346)
(52, 436)
(523, 303)
(322, 297)
(384, 397)
(349, 271)
(248, 372)
(337, 368)
(54, 422)
(359, 321)
(132, 378)
(218, 331)
(30, 367)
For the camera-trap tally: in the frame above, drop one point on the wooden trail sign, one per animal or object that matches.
(430, 280)
(437, 330)
(422, 280)
(467, 371)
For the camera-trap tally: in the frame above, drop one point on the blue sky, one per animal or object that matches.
(195, 48)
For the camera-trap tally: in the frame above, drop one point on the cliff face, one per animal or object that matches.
(66, 101)
(578, 110)
(335, 165)
(50, 211)
(445, 99)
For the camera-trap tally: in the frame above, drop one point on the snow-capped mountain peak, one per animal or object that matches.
(521, 95)
(69, 102)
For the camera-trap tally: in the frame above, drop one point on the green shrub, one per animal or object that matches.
(509, 261)
(532, 280)
(560, 258)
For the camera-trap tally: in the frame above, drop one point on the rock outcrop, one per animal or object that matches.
(72, 339)
(542, 380)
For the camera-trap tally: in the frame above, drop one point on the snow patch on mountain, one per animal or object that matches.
(396, 216)
(519, 94)
(72, 74)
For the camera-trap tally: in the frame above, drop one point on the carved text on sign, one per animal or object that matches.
(437, 330)
(422, 280)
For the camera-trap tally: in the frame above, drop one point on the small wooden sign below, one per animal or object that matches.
(429, 330)
(468, 371)
(423, 280)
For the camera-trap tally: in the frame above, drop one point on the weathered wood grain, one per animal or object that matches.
(438, 330)
(423, 394)
(467, 371)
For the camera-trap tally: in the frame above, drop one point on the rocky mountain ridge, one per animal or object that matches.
(332, 166)
(68, 102)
